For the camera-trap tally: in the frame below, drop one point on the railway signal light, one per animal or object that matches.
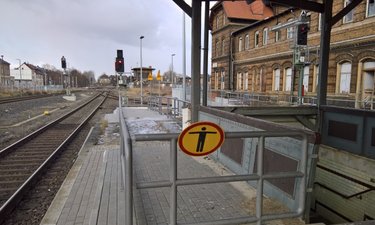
(119, 64)
(63, 62)
(302, 31)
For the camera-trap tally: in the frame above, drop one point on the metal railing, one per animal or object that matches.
(173, 182)
(259, 99)
(171, 107)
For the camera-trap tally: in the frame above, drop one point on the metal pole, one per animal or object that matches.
(205, 53)
(141, 75)
(259, 199)
(20, 83)
(195, 59)
(172, 71)
(2, 71)
(183, 57)
(173, 178)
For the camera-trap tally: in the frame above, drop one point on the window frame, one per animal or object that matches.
(351, 13)
(368, 7)
(256, 39)
(265, 36)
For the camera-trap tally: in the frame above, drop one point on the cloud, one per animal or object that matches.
(88, 33)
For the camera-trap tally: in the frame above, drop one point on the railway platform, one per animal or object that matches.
(93, 192)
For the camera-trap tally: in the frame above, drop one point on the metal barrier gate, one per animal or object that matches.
(174, 182)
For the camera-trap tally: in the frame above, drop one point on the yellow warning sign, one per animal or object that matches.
(201, 138)
(150, 76)
(158, 77)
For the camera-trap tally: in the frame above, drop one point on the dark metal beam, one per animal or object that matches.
(184, 6)
(302, 4)
(205, 51)
(195, 59)
(325, 39)
(345, 11)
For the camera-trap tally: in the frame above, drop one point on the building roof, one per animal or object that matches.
(4, 62)
(241, 10)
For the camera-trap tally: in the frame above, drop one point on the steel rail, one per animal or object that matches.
(12, 202)
(23, 98)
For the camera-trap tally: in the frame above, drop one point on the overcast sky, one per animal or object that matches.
(88, 33)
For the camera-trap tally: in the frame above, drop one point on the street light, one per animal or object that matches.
(141, 78)
(172, 70)
(19, 60)
(2, 71)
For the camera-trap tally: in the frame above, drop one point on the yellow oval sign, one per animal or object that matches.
(201, 138)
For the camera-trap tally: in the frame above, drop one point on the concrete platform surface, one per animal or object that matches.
(93, 194)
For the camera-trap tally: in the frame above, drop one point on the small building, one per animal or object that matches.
(6, 81)
(145, 72)
(28, 76)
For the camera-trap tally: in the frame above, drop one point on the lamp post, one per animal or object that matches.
(172, 70)
(141, 78)
(19, 60)
(2, 71)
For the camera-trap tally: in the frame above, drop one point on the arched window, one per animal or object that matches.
(239, 81)
(256, 39)
(276, 79)
(222, 86)
(247, 41)
(223, 47)
(217, 47)
(345, 76)
(240, 44)
(265, 36)
(246, 81)
(216, 82)
(288, 79)
(306, 74)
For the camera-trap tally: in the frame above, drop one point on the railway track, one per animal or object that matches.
(22, 163)
(22, 98)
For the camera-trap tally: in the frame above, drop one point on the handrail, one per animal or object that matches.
(174, 182)
(169, 106)
(126, 159)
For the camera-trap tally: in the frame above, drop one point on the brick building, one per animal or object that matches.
(249, 56)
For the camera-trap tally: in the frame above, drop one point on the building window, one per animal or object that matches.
(344, 79)
(222, 47)
(217, 22)
(290, 31)
(240, 44)
(247, 41)
(306, 74)
(239, 81)
(370, 9)
(315, 78)
(217, 48)
(265, 36)
(222, 80)
(288, 79)
(216, 83)
(320, 21)
(349, 16)
(256, 39)
(224, 20)
(277, 34)
(246, 81)
(276, 79)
